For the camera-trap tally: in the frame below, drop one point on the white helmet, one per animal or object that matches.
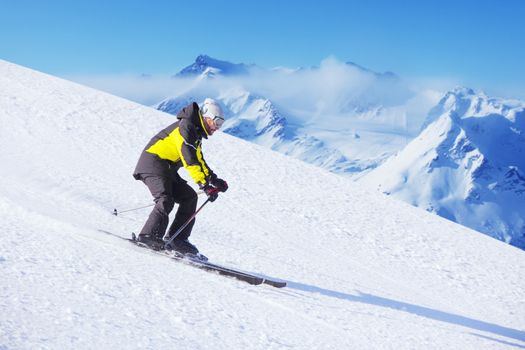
(211, 109)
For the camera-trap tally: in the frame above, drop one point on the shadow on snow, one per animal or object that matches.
(416, 310)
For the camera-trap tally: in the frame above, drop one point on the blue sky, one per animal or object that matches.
(478, 43)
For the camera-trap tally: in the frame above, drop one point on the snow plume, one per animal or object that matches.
(320, 91)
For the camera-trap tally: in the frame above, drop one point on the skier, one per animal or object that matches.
(179, 145)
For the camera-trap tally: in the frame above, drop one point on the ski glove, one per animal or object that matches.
(220, 184)
(211, 192)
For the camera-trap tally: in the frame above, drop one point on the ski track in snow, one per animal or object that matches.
(364, 271)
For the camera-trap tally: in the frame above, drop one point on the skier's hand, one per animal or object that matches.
(220, 184)
(211, 192)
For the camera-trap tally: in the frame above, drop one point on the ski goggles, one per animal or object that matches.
(218, 121)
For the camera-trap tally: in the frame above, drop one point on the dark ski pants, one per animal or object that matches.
(166, 192)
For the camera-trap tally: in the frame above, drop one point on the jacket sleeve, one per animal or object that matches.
(189, 146)
(209, 173)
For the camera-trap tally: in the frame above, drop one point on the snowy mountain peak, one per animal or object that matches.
(205, 64)
(257, 116)
(466, 165)
(462, 102)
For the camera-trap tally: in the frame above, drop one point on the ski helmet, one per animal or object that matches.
(211, 109)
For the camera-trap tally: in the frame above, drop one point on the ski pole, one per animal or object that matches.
(116, 212)
(185, 224)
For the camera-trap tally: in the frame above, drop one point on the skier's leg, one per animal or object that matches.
(187, 199)
(162, 191)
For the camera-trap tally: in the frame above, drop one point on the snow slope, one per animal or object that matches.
(467, 165)
(364, 270)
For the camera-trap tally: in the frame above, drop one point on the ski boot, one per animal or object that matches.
(184, 248)
(151, 241)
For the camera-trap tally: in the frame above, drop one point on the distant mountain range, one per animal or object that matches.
(205, 64)
(335, 144)
(466, 165)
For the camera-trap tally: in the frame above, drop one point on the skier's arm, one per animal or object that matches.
(189, 148)
(209, 173)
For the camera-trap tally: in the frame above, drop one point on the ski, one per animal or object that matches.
(206, 265)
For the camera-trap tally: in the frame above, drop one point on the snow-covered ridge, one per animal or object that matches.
(467, 165)
(256, 119)
(363, 270)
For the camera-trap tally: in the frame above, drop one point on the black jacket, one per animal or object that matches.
(178, 145)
